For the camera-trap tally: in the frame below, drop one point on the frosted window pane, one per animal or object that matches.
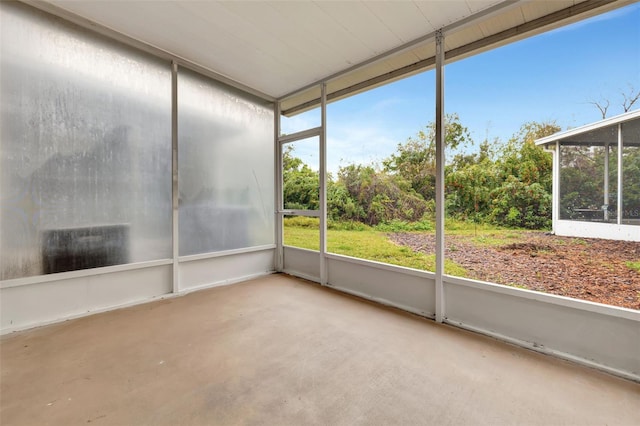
(85, 149)
(225, 167)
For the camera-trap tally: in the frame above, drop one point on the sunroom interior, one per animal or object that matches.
(141, 160)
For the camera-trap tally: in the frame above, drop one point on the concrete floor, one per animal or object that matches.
(281, 351)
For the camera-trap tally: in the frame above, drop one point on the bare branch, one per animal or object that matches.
(630, 99)
(603, 106)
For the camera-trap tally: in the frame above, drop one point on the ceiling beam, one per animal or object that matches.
(518, 32)
(428, 38)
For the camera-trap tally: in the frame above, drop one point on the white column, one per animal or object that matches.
(323, 184)
(555, 188)
(277, 162)
(619, 221)
(440, 157)
(606, 182)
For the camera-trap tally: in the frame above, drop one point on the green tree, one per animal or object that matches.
(469, 184)
(507, 184)
(374, 196)
(341, 206)
(523, 198)
(415, 160)
(301, 184)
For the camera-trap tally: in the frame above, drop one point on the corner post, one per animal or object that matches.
(175, 194)
(277, 174)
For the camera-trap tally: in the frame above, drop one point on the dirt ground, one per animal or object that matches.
(582, 268)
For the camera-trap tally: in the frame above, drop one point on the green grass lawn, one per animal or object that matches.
(634, 265)
(366, 243)
(483, 235)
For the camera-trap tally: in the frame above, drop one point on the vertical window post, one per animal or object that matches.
(174, 176)
(440, 156)
(278, 217)
(620, 183)
(555, 187)
(323, 184)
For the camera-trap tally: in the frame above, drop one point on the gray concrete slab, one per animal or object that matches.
(282, 351)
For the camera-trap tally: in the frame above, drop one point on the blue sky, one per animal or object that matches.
(550, 77)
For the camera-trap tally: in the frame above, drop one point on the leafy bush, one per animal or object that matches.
(519, 205)
(373, 196)
(302, 222)
(347, 225)
(511, 188)
(396, 225)
(300, 183)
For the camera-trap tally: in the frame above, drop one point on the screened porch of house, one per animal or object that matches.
(144, 278)
(591, 163)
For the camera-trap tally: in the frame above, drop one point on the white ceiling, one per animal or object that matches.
(279, 47)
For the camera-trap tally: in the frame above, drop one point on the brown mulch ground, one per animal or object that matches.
(583, 268)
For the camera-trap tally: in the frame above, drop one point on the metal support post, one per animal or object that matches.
(278, 216)
(555, 187)
(440, 158)
(620, 146)
(605, 204)
(323, 184)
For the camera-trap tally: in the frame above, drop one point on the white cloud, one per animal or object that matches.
(297, 123)
(358, 143)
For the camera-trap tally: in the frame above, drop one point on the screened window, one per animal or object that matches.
(631, 173)
(582, 182)
(589, 176)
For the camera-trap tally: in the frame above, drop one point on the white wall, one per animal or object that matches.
(225, 268)
(610, 231)
(408, 289)
(87, 143)
(31, 302)
(302, 263)
(603, 336)
(70, 295)
(600, 336)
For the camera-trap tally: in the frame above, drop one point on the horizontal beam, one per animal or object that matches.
(512, 34)
(308, 213)
(364, 85)
(298, 136)
(407, 46)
